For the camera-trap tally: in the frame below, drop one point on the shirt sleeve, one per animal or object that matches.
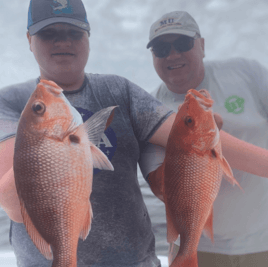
(12, 102)
(260, 86)
(152, 156)
(9, 116)
(146, 112)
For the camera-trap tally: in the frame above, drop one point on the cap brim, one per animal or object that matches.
(41, 24)
(173, 31)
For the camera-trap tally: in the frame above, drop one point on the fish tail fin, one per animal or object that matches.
(37, 239)
(228, 173)
(100, 160)
(184, 261)
(87, 223)
(208, 228)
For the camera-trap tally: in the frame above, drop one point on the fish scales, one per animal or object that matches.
(53, 169)
(198, 187)
(192, 174)
(54, 188)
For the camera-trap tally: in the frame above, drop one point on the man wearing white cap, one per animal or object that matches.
(239, 90)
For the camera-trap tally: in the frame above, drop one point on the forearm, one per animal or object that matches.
(244, 156)
(6, 155)
(155, 181)
(9, 200)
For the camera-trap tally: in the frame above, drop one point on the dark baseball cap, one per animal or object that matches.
(45, 12)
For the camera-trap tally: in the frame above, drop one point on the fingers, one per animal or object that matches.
(218, 120)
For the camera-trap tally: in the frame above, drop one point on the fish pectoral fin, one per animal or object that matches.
(208, 228)
(87, 223)
(228, 173)
(97, 123)
(37, 239)
(100, 161)
(172, 233)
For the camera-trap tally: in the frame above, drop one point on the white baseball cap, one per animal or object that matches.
(177, 22)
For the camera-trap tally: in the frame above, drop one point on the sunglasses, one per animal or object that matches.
(52, 34)
(182, 44)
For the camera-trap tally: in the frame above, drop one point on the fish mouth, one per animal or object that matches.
(51, 87)
(174, 67)
(203, 98)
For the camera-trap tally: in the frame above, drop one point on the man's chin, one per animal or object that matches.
(177, 86)
(63, 76)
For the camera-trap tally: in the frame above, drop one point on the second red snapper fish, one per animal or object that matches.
(53, 167)
(192, 174)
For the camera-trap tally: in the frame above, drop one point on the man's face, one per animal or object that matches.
(61, 51)
(181, 71)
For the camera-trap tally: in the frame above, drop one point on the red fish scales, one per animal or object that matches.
(54, 187)
(191, 187)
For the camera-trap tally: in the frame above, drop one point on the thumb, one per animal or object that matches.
(218, 120)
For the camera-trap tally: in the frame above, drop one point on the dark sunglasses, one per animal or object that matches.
(182, 44)
(52, 34)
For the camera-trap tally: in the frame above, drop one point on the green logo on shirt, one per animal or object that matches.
(235, 104)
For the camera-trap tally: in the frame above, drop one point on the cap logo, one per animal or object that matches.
(167, 23)
(62, 6)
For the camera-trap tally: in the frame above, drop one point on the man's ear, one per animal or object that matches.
(29, 37)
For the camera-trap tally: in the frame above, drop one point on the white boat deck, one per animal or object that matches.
(7, 259)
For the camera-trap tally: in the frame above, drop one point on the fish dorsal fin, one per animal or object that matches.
(37, 239)
(100, 161)
(87, 223)
(97, 123)
(208, 228)
(227, 170)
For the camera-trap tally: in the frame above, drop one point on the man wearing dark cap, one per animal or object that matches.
(239, 90)
(121, 234)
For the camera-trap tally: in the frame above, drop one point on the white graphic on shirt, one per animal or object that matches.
(104, 141)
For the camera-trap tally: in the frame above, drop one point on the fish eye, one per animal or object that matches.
(39, 108)
(189, 121)
(74, 139)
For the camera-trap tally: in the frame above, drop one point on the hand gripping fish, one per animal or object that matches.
(53, 166)
(192, 174)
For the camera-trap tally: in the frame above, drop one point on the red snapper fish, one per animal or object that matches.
(192, 174)
(53, 167)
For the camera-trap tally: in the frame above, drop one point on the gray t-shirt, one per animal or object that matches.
(121, 233)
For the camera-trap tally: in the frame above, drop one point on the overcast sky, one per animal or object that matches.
(120, 29)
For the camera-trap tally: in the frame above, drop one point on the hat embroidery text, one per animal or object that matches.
(62, 6)
(168, 22)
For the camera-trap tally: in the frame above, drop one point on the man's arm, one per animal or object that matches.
(9, 200)
(244, 156)
(160, 137)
